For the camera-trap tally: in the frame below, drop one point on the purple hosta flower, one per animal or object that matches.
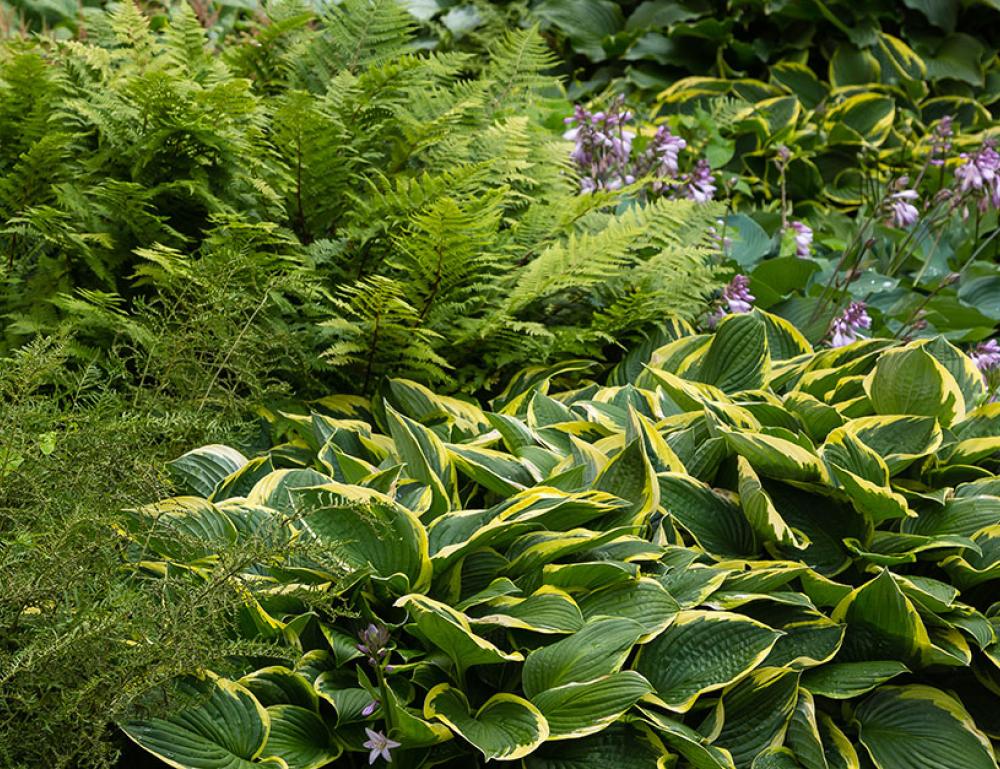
(715, 234)
(979, 175)
(379, 745)
(603, 146)
(847, 325)
(986, 356)
(902, 211)
(663, 152)
(700, 184)
(941, 140)
(370, 708)
(374, 642)
(736, 298)
(803, 239)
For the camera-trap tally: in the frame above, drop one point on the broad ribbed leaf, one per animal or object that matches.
(599, 649)
(703, 651)
(202, 470)
(618, 746)
(300, 738)
(578, 709)
(368, 531)
(225, 728)
(646, 601)
(505, 728)
(737, 358)
(911, 381)
(845, 680)
(919, 727)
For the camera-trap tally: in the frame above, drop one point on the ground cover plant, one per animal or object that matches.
(749, 554)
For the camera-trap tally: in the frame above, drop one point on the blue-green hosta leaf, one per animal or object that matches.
(202, 470)
(619, 746)
(737, 358)
(300, 738)
(225, 728)
(911, 381)
(753, 714)
(367, 530)
(686, 741)
(449, 630)
(598, 649)
(919, 727)
(961, 516)
(505, 728)
(578, 709)
(645, 600)
(703, 651)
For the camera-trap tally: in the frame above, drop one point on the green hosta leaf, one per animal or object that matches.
(701, 652)
(803, 735)
(274, 490)
(589, 575)
(737, 358)
(505, 728)
(598, 649)
(184, 528)
(278, 685)
(646, 601)
(882, 623)
(426, 458)
(716, 523)
(368, 529)
(776, 457)
(226, 728)
(495, 470)
(846, 680)
(578, 709)
(919, 727)
(630, 476)
(849, 66)
(972, 568)
(549, 610)
(760, 511)
(346, 697)
(202, 470)
(689, 743)
(911, 381)
(899, 440)
(300, 738)
(618, 746)
(450, 631)
(776, 758)
(962, 516)
(754, 713)
(838, 749)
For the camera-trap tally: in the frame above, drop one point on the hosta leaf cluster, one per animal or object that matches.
(744, 554)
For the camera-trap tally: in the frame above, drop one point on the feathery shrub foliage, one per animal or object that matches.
(410, 211)
(745, 553)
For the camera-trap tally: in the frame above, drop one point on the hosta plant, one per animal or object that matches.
(744, 554)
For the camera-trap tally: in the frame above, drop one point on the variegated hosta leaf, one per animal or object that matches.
(919, 727)
(598, 649)
(702, 652)
(202, 470)
(366, 530)
(620, 746)
(225, 728)
(300, 738)
(577, 709)
(505, 728)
